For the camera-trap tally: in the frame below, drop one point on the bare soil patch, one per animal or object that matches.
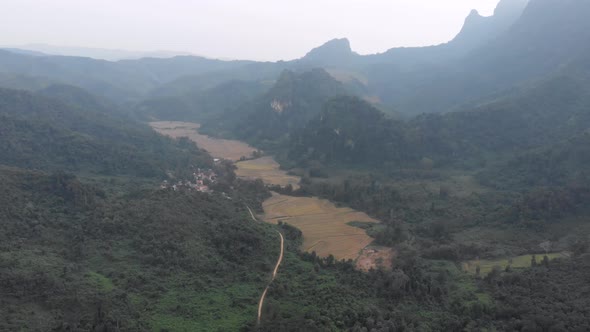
(374, 257)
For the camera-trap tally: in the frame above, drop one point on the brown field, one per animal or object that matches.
(267, 169)
(324, 225)
(218, 148)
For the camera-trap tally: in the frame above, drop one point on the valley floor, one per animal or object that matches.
(325, 227)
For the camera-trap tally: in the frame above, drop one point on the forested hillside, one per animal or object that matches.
(547, 35)
(43, 133)
(75, 258)
(122, 81)
(350, 131)
(217, 102)
(293, 100)
(541, 114)
(477, 173)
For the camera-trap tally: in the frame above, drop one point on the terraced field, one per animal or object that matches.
(324, 226)
(218, 148)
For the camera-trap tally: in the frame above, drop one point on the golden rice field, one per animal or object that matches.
(324, 226)
(218, 148)
(517, 262)
(267, 169)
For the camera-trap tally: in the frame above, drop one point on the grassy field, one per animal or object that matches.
(267, 169)
(325, 227)
(523, 261)
(218, 148)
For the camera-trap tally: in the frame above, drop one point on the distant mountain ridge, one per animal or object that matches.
(50, 134)
(96, 53)
(522, 42)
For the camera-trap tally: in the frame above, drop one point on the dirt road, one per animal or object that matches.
(274, 272)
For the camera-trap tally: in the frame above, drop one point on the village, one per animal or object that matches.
(203, 179)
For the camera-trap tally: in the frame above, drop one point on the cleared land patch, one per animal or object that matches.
(374, 257)
(218, 148)
(523, 261)
(324, 226)
(267, 169)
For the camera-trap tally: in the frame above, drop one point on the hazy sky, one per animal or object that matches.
(244, 29)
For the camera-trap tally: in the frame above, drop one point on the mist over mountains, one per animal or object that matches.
(472, 155)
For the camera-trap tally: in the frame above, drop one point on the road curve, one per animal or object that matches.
(274, 272)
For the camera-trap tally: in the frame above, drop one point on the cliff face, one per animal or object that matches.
(479, 29)
(334, 52)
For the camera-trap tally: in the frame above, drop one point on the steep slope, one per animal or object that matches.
(334, 53)
(560, 164)
(122, 81)
(542, 114)
(79, 97)
(349, 131)
(73, 257)
(547, 35)
(23, 82)
(189, 84)
(201, 105)
(43, 133)
(288, 105)
(477, 31)
(552, 110)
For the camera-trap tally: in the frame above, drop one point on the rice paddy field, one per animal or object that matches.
(523, 261)
(218, 148)
(267, 169)
(324, 226)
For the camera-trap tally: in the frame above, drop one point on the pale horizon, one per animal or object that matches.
(262, 30)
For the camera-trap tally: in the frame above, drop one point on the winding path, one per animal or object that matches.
(274, 272)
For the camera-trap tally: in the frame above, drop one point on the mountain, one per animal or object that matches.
(47, 134)
(23, 51)
(547, 35)
(348, 131)
(477, 31)
(537, 116)
(77, 257)
(23, 82)
(96, 53)
(79, 97)
(201, 105)
(254, 72)
(334, 53)
(123, 81)
(293, 100)
(558, 164)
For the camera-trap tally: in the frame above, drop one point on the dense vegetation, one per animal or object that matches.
(201, 105)
(47, 134)
(294, 100)
(75, 258)
(88, 242)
